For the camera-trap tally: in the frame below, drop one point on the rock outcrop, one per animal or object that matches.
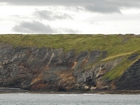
(44, 69)
(130, 80)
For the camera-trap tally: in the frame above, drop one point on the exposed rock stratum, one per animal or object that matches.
(45, 69)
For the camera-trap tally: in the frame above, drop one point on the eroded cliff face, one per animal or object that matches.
(42, 69)
(130, 80)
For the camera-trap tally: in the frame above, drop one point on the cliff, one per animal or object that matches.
(27, 65)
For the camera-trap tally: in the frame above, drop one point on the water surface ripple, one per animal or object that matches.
(68, 99)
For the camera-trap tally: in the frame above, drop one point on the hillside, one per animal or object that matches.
(70, 62)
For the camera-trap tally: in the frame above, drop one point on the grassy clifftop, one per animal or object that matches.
(114, 44)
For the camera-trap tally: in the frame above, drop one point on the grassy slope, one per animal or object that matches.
(115, 45)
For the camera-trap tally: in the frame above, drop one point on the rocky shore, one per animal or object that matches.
(18, 90)
(12, 90)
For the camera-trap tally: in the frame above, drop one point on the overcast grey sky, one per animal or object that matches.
(70, 16)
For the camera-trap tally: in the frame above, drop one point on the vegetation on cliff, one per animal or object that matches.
(114, 44)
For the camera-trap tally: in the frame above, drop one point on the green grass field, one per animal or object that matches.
(114, 44)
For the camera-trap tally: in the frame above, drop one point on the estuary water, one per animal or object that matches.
(68, 99)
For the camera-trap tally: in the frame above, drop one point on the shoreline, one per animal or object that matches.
(12, 90)
(18, 90)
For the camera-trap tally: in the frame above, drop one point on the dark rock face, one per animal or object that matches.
(130, 80)
(42, 69)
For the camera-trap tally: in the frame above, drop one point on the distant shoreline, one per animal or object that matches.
(18, 90)
(11, 90)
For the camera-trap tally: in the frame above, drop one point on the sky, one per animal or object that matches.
(69, 16)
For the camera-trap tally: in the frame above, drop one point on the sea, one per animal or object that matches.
(68, 99)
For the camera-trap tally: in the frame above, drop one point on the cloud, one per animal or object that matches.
(103, 9)
(37, 27)
(33, 27)
(124, 3)
(102, 6)
(42, 2)
(49, 15)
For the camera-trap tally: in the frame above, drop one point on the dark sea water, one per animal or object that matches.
(68, 99)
